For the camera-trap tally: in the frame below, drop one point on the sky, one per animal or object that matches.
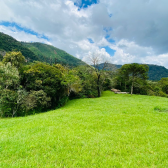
(118, 31)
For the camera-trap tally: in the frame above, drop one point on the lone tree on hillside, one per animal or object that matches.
(133, 72)
(96, 61)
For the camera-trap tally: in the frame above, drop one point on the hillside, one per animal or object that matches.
(49, 54)
(37, 51)
(8, 43)
(155, 72)
(110, 131)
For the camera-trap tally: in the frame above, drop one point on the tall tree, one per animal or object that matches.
(9, 81)
(134, 71)
(95, 61)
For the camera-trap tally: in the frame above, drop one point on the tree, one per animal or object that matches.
(164, 84)
(88, 81)
(9, 76)
(41, 76)
(9, 81)
(35, 100)
(15, 58)
(133, 72)
(70, 79)
(98, 68)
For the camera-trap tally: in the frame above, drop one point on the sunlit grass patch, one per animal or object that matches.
(110, 131)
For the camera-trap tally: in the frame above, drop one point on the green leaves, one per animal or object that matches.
(9, 76)
(15, 58)
(131, 73)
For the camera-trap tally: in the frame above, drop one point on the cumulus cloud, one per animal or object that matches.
(22, 36)
(142, 21)
(138, 27)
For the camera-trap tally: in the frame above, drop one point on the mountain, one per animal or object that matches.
(8, 43)
(155, 72)
(37, 51)
(48, 53)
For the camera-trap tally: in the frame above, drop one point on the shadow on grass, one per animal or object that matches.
(160, 109)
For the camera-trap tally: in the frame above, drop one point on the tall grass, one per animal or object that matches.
(111, 131)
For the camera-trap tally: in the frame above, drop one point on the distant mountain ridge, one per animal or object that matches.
(37, 51)
(155, 72)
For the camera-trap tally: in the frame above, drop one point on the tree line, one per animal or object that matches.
(28, 88)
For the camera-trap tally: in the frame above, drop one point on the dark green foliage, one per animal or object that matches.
(1, 57)
(163, 83)
(132, 76)
(50, 54)
(7, 43)
(7, 102)
(40, 76)
(89, 77)
(35, 101)
(155, 72)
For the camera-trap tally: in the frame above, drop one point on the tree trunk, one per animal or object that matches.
(125, 85)
(132, 87)
(98, 85)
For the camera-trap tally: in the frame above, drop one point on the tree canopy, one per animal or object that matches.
(134, 72)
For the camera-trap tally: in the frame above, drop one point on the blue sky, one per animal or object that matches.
(120, 31)
(20, 28)
(85, 3)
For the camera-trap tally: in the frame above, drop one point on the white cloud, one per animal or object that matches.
(139, 27)
(22, 36)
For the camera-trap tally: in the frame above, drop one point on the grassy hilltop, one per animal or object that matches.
(110, 131)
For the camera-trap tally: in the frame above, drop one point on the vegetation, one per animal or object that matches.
(110, 131)
(46, 53)
(37, 87)
(155, 72)
(8, 43)
(133, 73)
(15, 58)
(50, 54)
(37, 52)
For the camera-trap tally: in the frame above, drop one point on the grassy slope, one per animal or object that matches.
(44, 50)
(111, 131)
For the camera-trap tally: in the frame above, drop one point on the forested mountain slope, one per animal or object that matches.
(8, 43)
(37, 51)
(48, 53)
(155, 73)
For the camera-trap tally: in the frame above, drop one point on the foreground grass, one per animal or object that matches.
(111, 131)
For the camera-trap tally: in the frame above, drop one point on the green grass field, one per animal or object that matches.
(111, 131)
